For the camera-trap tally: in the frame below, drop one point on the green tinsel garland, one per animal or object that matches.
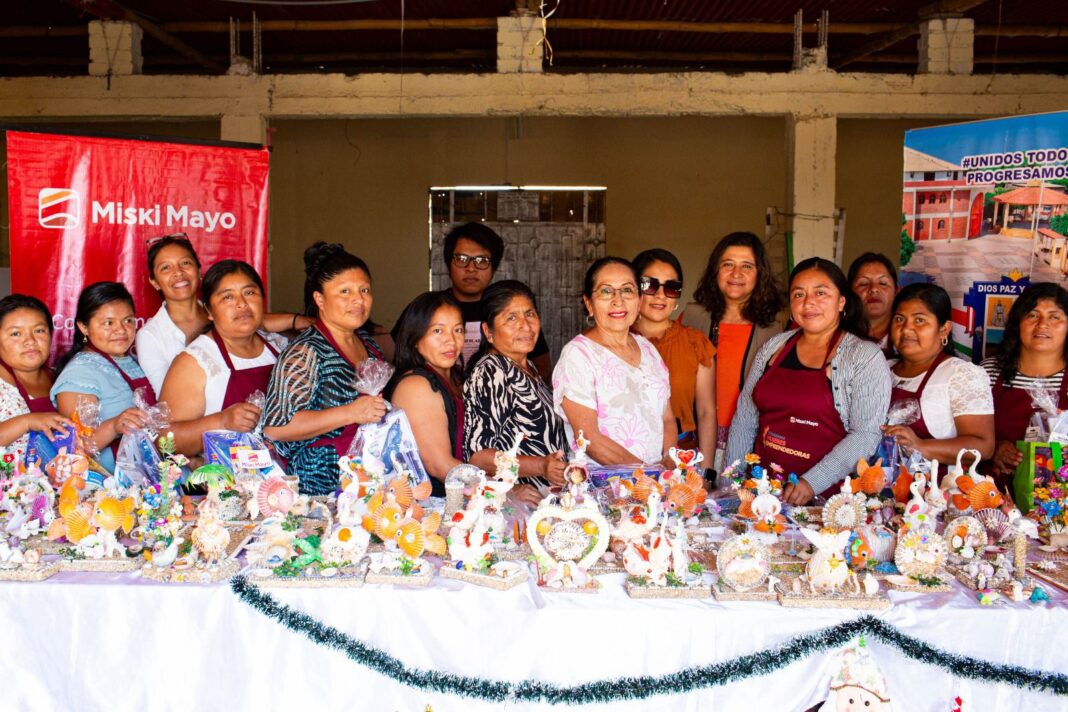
(638, 688)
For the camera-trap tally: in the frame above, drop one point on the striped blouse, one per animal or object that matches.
(860, 383)
(310, 375)
(1049, 383)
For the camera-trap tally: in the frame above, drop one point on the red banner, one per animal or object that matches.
(82, 209)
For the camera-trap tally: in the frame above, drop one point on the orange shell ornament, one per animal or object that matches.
(78, 526)
(398, 490)
(902, 485)
(274, 496)
(642, 486)
(113, 514)
(870, 477)
(984, 495)
(411, 539)
(683, 500)
(387, 519)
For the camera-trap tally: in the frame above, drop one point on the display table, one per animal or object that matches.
(118, 642)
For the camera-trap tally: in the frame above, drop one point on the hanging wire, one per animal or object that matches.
(545, 31)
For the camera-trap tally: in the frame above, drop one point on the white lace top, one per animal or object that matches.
(11, 405)
(206, 353)
(957, 387)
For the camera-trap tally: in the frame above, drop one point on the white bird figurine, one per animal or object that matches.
(164, 558)
(871, 585)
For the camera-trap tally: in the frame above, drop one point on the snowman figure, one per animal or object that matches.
(859, 685)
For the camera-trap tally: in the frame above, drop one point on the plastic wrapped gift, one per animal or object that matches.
(137, 460)
(391, 441)
(601, 475)
(39, 449)
(244, 454)
(372, 376)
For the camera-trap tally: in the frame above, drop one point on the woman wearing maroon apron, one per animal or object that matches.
(209, 383)
(98, 367)
(817, 395)
(25, 379)
(427, 385)
(1034, 354)
(312, 408)
(956, 408)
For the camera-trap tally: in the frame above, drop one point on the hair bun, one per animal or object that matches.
(318, 253)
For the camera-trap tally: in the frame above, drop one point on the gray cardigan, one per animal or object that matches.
(861, 384)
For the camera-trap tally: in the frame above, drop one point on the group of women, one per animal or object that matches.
(722, 377)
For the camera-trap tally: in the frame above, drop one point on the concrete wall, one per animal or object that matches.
(679, 183)
(868, 180)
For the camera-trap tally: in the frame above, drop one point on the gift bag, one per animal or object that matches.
(39, 449)
(244, 454)
(1036, 469)
(391, 440)
(137, 460)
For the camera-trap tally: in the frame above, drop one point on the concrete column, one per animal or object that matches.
(946, 46)
(811, 142)
(247, 129)
(114, 48)
(517, 44)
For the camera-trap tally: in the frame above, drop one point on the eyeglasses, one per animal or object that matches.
(176, 235)
(480, 261)
(607, 293)
(652, 285)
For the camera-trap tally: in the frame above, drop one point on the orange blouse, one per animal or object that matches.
(683, 350)
(733, 341)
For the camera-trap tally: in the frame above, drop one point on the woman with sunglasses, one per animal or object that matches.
(817, 396)
(688, 354)
(99, 368)
(739, 304)
(610, 383)
(174, 271)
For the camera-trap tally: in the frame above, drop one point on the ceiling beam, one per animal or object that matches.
(903, 32)
(113, 10)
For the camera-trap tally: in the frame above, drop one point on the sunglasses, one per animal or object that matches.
(651, 285)
(153, 240)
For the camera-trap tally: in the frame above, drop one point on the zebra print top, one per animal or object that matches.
(311, 375)
(502, 402)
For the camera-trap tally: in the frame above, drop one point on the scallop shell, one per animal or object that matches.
(399, 491)
(78, 526)
(871, 480)
(844, 511)
(984, 495)
(411, 539)
(996, 523)
(274, 496)
(386, 520)
(683, 500)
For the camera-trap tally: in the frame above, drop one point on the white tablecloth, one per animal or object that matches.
(116, 642)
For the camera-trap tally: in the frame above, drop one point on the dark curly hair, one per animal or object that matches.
(1009, 358)
(767, 299)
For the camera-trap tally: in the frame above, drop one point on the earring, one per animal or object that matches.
(945, 340)
(589, 320)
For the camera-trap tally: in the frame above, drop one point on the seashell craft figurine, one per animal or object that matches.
(847, 509)
(965, 538)
(827, 571)
(273, 496)
(743, 563)
(920, 553)
(210, 538)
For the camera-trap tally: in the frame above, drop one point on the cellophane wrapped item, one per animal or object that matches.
(1048, 424)
(372, 376)
(244, 454)
(902, 412)
(137, 460)
(390, 440)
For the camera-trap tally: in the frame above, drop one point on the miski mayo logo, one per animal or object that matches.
(61, 208)
(58, 207)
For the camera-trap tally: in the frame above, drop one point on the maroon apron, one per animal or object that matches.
(900, 394)
(798, 423)
(243, 382)
(133, 383)
(342, 440)
(36, 405)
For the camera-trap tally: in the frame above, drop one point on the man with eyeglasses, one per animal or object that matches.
(473, 252)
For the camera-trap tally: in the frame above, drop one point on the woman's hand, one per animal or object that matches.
(798, 494)
(128, 420)
(53, 425)
(367, 409)
(1006, 457)
(553, 468)
(241, 417)
(527, 494)
(904, 436)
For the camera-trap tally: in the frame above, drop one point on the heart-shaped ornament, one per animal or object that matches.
(556, 534)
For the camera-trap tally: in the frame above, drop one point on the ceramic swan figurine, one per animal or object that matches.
(827, 570)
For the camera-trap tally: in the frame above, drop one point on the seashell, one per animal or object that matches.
(996, 523)
(871, 480)
(78, 526)
(399, 491)
(683, 500)
(274, 496)
(328, 572)
(386, 520)
(984, 495)
(411, 539)
(422, 490)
